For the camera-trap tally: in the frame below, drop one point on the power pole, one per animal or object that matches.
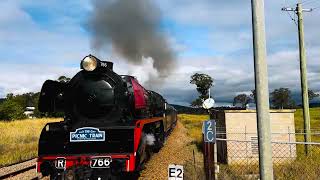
(303, 72)
(262, 90)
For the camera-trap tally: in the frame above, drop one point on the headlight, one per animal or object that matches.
(89, 63)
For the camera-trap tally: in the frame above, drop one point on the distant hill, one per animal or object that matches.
(191, 110)
(314, 104)
(2, 99)
(311, 105)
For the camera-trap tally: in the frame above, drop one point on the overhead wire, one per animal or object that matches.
(292, 18)
(309, 1)
(317, 7)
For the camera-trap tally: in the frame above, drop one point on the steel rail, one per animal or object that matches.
(20, 171)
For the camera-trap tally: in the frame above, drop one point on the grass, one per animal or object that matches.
(303, 166)
(314, 118)
(19, 139)
(314, 123)
(194, 125)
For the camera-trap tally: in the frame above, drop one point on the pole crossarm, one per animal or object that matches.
(296, 9)
(288, 9)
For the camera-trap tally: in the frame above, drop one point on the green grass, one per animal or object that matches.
(314, 123)
(19, 139)
(314, 118)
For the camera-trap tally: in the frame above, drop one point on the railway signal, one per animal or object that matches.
(209, 131)
(210, 149)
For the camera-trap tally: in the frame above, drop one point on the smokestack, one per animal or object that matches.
(132, 27)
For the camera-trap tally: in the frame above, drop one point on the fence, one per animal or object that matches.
(238, 156)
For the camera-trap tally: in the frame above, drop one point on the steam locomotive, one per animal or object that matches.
(111, 125)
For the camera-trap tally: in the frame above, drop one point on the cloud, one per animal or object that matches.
(31, 53)
(22, 78)
(212, 37)
(23, 40)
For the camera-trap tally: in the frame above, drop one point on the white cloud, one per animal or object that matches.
(21, 37)
(57, 51)
(24, 78)
(31, 54)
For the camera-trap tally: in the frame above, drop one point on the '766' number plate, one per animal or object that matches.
(100, 162)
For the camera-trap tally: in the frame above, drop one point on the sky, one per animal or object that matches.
(42, 40)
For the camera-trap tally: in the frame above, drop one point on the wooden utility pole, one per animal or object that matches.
(262, 90)
(303, 73)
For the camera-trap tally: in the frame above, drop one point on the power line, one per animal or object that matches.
(316, 8)
(299, 2)
(309, 1)
(292, 18)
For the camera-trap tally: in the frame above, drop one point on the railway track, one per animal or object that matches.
(25, 169)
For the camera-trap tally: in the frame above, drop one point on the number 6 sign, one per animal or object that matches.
(209, 131)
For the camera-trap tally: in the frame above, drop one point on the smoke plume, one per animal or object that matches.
(132, 28)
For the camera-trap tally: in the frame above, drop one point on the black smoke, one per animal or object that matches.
(132, 27)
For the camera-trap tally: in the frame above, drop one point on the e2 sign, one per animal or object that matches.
(209, 131)
(175, 172)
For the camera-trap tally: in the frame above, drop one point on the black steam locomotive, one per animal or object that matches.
(111, 124)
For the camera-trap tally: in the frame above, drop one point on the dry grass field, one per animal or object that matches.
(194, 125)
(19, 139)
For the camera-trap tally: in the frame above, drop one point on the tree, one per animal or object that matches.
(281, 98)
(312, 94)
(10, 109)
(253, 95)
(13, 106)
(63, 79)
(203, 83)
(243, 99)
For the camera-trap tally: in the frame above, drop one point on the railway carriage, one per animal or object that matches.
(111, 124)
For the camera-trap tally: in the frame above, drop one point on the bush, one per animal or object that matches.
(10, 110)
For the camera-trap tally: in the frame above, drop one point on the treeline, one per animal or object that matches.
(279, 98)
(194, 110)
(13, 106)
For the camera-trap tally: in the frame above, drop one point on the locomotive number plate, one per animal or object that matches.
(100, 162)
